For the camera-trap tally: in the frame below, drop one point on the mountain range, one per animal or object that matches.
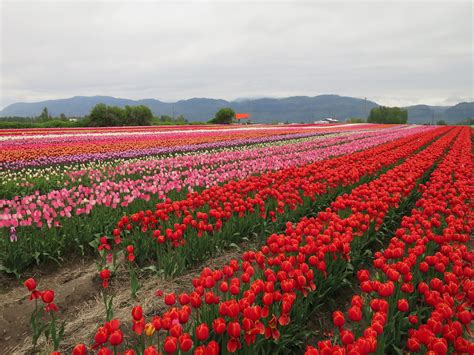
(264, 110)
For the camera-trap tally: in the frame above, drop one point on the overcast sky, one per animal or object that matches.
(401, 52)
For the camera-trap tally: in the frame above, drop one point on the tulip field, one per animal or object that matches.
(259, 239)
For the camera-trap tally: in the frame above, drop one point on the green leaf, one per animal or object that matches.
(233, 245)
(151, 268)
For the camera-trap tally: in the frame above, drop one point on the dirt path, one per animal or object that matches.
(77, 294)
(74, 284)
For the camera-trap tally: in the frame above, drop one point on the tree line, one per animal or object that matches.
(101, 115)
(384, 114)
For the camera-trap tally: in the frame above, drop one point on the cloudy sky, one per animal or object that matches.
(401, 52)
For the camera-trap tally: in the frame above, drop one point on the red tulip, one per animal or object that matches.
(413, 345)
(170, 299)
(101, 336)
(185, 342)
(48, 296)
(219, 326)
(355, 313)
(439, 346)
(465, 317)
(137, 313)
(170, 345)
(202, 332)
(79, 349)
(151, 350)
(183, 298)
(116, 338)
(104, 274)
(233, 329)
(402, 305)
(212, 348)
(347, 337)
(30, 284)
(233, 345)
(338, 319)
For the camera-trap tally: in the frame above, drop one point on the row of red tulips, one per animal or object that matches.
(270, 290)
(178, 233)
(428, 266)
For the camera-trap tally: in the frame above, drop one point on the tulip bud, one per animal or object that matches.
(338, 319)
(116, 338)
(170, 344)
(149, 329)
(170, 299)
(79, 349)
(202, 332)
(403, 305)
(151, 350)
(30, 284)
(137, 313)
(48, 296)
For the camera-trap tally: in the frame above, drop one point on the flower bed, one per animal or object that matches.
(269, 290)
(109, 199)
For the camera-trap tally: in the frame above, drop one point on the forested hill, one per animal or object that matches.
(291, 109)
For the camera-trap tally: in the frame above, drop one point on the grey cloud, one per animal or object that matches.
(396, 52)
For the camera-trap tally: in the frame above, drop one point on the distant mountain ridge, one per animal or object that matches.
(265, 110)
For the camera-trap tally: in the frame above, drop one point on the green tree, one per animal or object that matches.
(44, 116)
(103, 115)
(383, 114)
(137, 116)
(223, 116)
(116, 116)
(441, 123)
(98, 115)
(62, 117)
(143, 115)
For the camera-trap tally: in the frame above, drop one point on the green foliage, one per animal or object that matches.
(16, 119)
(104, 116)
(53, 123)
(223, 116)
(355, 120)
(137, 116)
(165, 119)
(45, 116)
(383, 114)
(441, 123)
